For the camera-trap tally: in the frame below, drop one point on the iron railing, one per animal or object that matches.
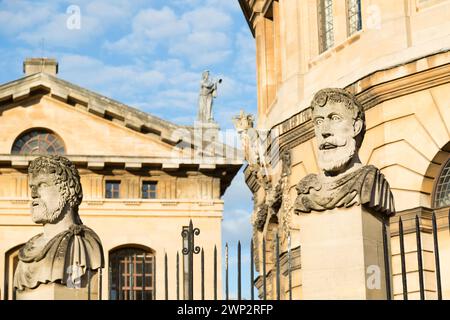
(416, 226)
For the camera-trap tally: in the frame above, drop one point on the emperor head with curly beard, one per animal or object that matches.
(339, 126)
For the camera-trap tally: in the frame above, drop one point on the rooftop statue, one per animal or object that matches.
(339, 124)
(208, 91)
(66, 249)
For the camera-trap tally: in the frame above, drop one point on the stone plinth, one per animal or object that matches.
(56, 291)
(340, 249)
(207, 130)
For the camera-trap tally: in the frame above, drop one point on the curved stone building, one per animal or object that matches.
(394, 56)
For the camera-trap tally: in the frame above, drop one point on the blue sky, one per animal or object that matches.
(148, 54)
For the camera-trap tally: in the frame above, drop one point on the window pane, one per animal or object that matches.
(112, 189)
(38, 142)
(149, 190)
(442, 189)
(354, 22)
(326, 24)
(129, 274)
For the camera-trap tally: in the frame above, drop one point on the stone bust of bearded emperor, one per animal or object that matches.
(339, 124)
(67, 248)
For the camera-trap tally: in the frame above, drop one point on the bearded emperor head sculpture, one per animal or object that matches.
(66, 249)
(339, 124)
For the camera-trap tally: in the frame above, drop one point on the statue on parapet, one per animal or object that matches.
(208, 91)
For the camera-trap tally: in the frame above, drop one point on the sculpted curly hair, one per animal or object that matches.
(66, 177)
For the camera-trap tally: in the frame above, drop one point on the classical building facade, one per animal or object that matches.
(394, 56)
(143, 180)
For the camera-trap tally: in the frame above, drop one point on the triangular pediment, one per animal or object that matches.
(116, 123)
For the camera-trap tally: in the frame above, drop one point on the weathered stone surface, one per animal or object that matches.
(67, 249)
(208, 91)
(339, 122)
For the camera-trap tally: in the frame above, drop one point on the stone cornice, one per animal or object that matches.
(254, 8)
(222, 168)
(246, 9)
(113, 207)
(205, 163)
(383, 85)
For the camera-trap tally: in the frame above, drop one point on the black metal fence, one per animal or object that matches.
(419, 231)
(190, 250)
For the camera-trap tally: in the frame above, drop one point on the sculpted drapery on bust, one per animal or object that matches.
(66, 249)
(339, 124)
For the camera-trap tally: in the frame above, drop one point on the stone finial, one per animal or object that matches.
(243, 121)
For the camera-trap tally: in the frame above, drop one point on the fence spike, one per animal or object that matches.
(419, 259)
(178, 276)
(143, 277)
(387, 257)
(203, 273)
(289, 267)
(215, 272)
(100, 284)
(403, 260)
(166, 276)
(436, 257)
(239, 270)
(264, 269)
(252, 272)
(226, 271)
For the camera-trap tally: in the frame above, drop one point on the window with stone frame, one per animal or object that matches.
(442, 188)
(149, 189)
(326, 24)
(38, 141)
(354, 18)
(132, 274)
(112, 189)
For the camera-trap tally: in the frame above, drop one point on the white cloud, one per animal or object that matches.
(197, 35)
(32, 21)
(56, 34)
(19, 15)
(207, 19)
(203, 48)
(113, 81)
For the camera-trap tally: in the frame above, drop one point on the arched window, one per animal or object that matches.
(38, 141)
(442, 189)
(131, 278)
